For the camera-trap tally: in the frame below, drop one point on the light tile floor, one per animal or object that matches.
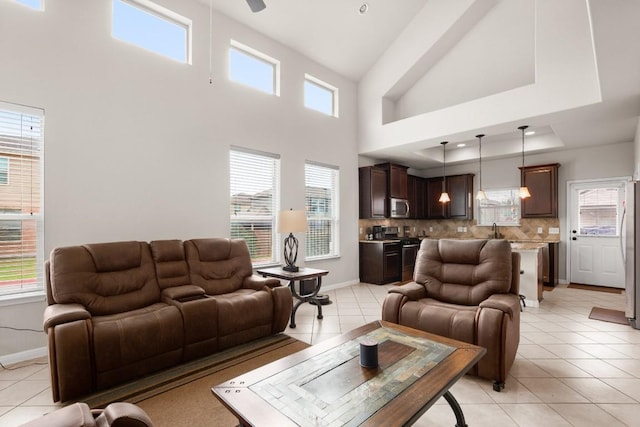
(569, 371)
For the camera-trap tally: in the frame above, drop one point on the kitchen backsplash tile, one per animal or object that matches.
(467, 229)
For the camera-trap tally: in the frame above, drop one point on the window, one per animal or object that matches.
(21, 220)
(323, 212)
(320, 96)
(502, 207)
(152, 27)
(253, 68)
(4, 170)
(254, 183)
(34, 4)
(598, 211)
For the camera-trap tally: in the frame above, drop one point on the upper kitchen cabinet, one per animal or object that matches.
(434, 209)
(542, 182)
(373, 192)
(460, 189)
(396, 180)
(417, 193)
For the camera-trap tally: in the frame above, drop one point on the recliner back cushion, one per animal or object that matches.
(106, 278)
(464, 271)
(218, 265)
(171, 264)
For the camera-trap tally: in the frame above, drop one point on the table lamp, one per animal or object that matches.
(291, 222)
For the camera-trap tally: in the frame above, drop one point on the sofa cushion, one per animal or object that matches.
(125, 338)
(218, 265)
(447, 320)
(464, 271)
(95, 277)
(171, 264)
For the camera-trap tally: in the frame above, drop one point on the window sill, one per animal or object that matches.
(322, 258)
(25, 298)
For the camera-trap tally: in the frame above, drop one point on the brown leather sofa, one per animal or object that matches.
(121, 310)
(466, 290)
(118, 414)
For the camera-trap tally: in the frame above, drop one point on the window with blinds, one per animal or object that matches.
(598, 211)
(323, 212)
(254, 183)
(21, 220)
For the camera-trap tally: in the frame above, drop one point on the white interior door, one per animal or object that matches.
(595, 234)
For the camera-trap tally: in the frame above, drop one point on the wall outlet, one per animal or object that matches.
(430, 229)
(361, 230)
(554, 230)
(464, 229)
(459, 229)
(539, 230)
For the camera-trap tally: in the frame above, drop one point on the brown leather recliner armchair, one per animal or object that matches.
(466, 290)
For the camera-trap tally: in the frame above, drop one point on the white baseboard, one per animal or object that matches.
(335, 286)
(9, 359)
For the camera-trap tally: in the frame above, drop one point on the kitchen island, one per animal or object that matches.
(531, 263)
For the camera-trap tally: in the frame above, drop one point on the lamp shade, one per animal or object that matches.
(292, 221)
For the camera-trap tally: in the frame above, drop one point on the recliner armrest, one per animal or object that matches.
(257, 283)
(179, 293)
(57, 314)
(411, 290)
(506, 303)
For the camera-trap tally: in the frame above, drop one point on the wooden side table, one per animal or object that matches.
(292, 277)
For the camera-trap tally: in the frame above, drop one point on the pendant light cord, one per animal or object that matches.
(210, 41)
(480, 158)
(444, 166)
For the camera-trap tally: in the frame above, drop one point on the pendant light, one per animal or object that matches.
(524, 191)
(444, 196)
(480, 195)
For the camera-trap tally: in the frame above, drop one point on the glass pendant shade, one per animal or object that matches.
(480, 195)
(444, 196)
(524, 191)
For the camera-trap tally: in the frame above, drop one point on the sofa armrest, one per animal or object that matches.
(411, 290)
(507, 303)
(257, 283)
(182, 293)
(58, 314)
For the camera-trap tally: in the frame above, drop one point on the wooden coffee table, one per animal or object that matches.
(325, 384)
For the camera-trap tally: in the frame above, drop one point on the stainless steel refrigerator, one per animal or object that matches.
(630, 225)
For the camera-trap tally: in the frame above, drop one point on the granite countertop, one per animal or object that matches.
(527, 246)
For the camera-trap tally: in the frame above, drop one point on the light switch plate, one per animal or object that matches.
(539, 230)
(554, 230)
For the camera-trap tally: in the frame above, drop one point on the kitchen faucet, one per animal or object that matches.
(494, 227)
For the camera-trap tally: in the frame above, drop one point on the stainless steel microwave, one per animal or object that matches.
(399, 208)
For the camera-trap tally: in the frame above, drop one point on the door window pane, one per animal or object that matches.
(598, 211)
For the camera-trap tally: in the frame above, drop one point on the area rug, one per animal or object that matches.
(595, 288)
(182, 396)
(608, 315)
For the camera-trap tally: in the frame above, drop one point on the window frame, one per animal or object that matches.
(40, 6)
(275, 204)
(517, 216)
(260, 57)
(308, 78)
(333, 216)
(163, 14)
(24, 125)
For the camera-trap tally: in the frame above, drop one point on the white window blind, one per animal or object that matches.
(21, 223)
(598, 211)
(321, 188)
(254, 184)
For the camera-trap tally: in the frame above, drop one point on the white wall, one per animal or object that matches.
(136, 145)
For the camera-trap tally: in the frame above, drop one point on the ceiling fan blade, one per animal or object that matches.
(256, 5)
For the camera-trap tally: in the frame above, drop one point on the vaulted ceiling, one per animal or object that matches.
(433, 70)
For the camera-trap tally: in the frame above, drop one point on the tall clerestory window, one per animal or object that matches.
(323, 211)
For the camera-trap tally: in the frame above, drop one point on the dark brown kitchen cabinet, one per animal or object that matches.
(380, 262)
(396, 180)
(460, 189)
(417, 192)
(373, 192)
(409, 255)
(542, 182)
(434, 209)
